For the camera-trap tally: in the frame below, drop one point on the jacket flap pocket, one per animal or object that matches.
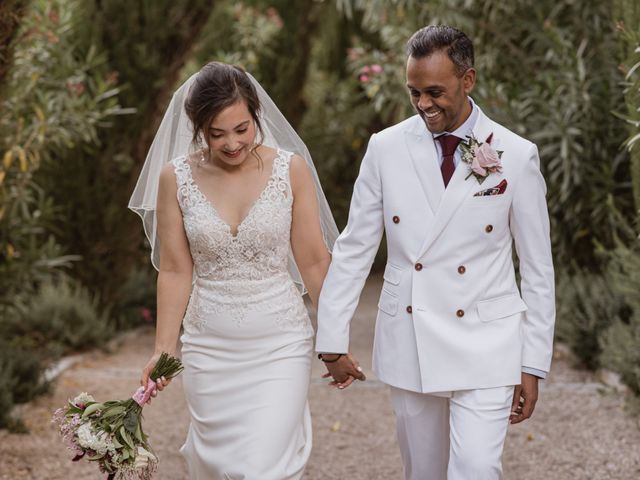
(392, 274)
(500, 307)
(388, 303)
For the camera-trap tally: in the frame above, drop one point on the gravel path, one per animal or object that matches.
(580, 430)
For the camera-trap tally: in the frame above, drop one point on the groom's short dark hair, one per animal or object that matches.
(430, 39)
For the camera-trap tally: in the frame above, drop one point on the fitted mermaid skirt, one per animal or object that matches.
(246, 381)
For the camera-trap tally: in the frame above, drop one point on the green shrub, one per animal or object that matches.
(621, 342)
(135, 303)
(621, 351)
(587, 306)
(59, 318)
(21, 379)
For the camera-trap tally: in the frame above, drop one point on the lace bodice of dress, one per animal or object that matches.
(261, 246)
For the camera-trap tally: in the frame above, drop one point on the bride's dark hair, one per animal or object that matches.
(216, 87)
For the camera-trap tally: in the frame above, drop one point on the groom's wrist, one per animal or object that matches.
(327, 357)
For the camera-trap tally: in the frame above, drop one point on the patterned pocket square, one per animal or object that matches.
(497, 190)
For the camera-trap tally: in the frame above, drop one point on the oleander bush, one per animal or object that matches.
(621, 342)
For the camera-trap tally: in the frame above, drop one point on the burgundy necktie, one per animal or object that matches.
(449, 143)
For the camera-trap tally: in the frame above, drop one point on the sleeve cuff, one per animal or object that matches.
(535, 371)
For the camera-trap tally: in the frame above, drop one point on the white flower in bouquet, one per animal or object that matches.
(143, 458)
(87, 438)
(82, 400)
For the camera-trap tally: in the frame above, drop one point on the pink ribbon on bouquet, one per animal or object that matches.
(142, 395)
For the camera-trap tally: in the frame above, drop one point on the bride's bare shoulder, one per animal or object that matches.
(266, 152)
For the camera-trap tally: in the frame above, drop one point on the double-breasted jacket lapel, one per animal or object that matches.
(422, 151)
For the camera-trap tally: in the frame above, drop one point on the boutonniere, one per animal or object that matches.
(482, 158)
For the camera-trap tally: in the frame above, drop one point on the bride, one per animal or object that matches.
(238, 223)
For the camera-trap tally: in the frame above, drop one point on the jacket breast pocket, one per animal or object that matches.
(500, 307)
(491, 202)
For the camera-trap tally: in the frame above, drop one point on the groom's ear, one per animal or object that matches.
(469, 80)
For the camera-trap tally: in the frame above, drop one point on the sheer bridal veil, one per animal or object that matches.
(174, 139)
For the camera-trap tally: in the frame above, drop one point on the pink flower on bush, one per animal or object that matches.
(146, 314)
(485, 160)
(76, 88)
(375, 68)
(364, 77)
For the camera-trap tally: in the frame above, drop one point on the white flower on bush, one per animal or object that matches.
(143, 458)
(81, 400)
(99, 443)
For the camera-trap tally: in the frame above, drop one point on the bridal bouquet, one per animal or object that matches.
(110, 433)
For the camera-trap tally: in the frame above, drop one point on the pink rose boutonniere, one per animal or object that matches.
(482, 158)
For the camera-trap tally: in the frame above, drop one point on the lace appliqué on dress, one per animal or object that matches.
(241, 273)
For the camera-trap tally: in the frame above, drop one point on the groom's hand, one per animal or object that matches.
(525, 397)
(343, 371)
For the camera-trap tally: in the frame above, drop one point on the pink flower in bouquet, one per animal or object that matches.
(375, 68)
(485, 160)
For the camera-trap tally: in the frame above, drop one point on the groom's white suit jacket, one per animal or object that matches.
(450, 314)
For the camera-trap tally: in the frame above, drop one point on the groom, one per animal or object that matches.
(460, 344)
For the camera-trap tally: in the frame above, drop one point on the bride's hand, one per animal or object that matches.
(146, 371)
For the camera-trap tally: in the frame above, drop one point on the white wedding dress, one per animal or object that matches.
(247, 341)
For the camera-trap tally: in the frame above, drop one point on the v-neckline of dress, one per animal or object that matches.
(211, 205)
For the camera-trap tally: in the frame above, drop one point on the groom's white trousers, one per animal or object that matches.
(452, 436)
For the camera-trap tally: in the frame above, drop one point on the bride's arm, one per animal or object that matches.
(176, 269)
(309, 249)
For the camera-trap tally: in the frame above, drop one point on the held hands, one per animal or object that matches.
(342, 371)
(144, 379)
(525, 397)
